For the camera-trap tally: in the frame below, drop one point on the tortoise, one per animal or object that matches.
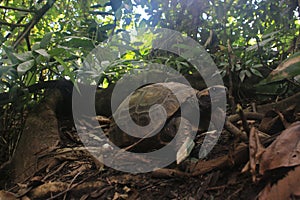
(146, 98)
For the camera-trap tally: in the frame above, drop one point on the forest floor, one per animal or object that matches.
(73, 173)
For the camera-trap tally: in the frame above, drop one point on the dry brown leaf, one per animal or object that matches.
(285, 188)
(284, 151)
(25, 198)
(4, 195)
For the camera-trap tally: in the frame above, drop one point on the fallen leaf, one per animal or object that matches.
(4, 195)
(286, 188)
(284, 151)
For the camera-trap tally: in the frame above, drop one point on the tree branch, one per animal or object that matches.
(18, 9)
(39, 14)
(11, 24)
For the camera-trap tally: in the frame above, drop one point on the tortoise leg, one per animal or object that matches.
(177, 125)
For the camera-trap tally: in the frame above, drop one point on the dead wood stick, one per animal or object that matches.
(240, 156)
(59, 188)
(244, 119)
(235, 131)
(280, 105)
(248, 115)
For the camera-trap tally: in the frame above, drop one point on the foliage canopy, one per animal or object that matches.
(47, 40)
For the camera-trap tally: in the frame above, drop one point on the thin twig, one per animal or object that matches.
(244, 120)
(12, 24)
(18, 9)
(73, 186)
(39, 14)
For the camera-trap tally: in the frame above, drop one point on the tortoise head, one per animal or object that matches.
(216, 92)
(211, 94)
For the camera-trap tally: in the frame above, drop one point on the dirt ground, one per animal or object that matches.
(66, 170)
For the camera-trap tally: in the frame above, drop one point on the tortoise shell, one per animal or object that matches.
(173, 96)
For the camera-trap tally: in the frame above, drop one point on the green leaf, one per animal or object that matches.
(256, 72)
(59, 51)
(297, 78)
(238, 67)
(102, 2)
(178, 66)
(76, 42)
(7, 71)
(261, 44)
(126, 37)
(257, 66)
(105, 83)
(1, 37)
(248, 73)
(106, 27)
(182, 46)
(128, 5)
(67, 70)
(25, 66)
(248, 62)
(24, 56)
(288, 69)
(121, 47)
(242, 75)
(274, 88)
(143, 23)
(10, 55)
(138, 44)
(31, 78)
(36, 46)
(270, 34)
(43, 52)
(46, 40)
